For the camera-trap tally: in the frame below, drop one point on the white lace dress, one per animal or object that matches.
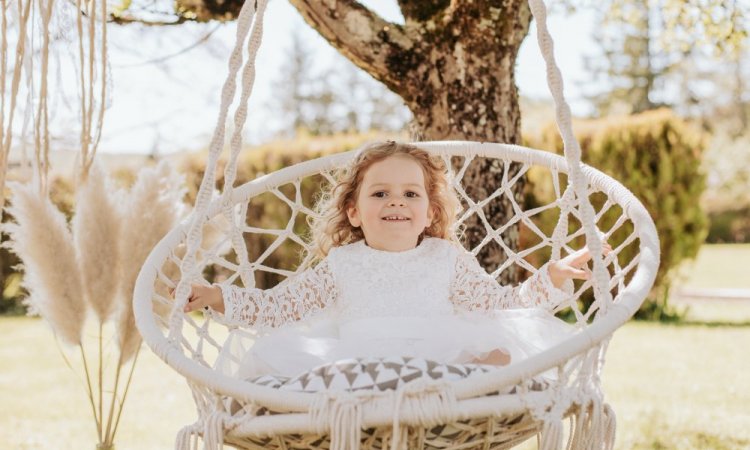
(434, 302)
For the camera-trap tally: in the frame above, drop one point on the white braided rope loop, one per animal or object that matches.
(189, 269)
(572, 151)
(230, 171)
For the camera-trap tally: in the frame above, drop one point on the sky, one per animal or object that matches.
(172, 104)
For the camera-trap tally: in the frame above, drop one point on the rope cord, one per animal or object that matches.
(6, 138)
(563, 117)
(41, 123)
(91, 130)
(203, 198)
(230, 171)
(572, 152)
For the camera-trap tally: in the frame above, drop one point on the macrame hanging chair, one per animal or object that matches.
(491, 409)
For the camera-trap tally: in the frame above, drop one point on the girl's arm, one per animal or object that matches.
(473, 289)
(294, 299)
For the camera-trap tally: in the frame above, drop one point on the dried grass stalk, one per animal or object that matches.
(41, 238)
(152, 208)
(96, 233)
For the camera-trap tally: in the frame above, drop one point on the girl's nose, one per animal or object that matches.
(397, 201)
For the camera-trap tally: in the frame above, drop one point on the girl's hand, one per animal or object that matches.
(202, 296)
(574, 266)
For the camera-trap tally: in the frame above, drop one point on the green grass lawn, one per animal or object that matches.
(672, 386)
(680, 387)
(45, 404)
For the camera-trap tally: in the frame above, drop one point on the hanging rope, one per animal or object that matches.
(87, 49)
(25, 75)
(572, 152)
(41, 128)
(6, 130)
(188, 266)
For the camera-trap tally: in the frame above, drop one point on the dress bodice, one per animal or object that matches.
(376, 283)
(355, 281)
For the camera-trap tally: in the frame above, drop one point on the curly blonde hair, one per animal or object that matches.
(331, 227)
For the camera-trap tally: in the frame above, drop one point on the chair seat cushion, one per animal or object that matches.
(379, 374)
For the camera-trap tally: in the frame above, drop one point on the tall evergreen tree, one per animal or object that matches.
(292, 89)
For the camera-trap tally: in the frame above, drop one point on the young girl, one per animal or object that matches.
(392, 280)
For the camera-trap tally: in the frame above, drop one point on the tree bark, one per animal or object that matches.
(452, 62)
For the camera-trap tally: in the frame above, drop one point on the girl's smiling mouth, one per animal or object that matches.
(396, 218)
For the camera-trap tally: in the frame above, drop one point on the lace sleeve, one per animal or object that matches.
(296, 298)
(473, 289)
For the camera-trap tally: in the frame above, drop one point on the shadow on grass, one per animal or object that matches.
(708, 323)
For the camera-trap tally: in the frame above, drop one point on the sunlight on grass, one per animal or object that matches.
(715, 311)
(47, 407)
(679, 387)
(671, 386)
(717, 266)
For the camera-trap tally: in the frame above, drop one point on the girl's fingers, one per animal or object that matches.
(578, 274)
(194, 299)
(580, 257)
(201, 297)
(193, 304)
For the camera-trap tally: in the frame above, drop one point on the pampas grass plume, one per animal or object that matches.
(96, 233)
(152, 208)
(41, 238)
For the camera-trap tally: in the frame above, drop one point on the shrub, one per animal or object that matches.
(658, 157)
(730, 226)
(727, 197)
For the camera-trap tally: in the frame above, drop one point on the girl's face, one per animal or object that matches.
(392, 206)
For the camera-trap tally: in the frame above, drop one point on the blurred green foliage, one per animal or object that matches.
(657, 156)
(730, 226)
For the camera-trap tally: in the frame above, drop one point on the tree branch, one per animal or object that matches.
(369, 41)
(128, 19)
(419, 10)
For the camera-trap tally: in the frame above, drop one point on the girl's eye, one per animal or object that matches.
(379, 194)
(412, 194)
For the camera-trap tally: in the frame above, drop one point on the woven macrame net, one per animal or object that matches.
(231, 238)
(289, 194)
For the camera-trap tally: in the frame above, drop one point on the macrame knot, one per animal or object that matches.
(213, 431)
(215, 425)
(550, 410)
(340, 414)
(430, 402)
(185, 437)
(595, 424)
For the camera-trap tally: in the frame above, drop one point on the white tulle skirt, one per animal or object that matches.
(296, 348)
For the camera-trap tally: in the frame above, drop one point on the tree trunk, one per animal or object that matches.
(452, 62)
